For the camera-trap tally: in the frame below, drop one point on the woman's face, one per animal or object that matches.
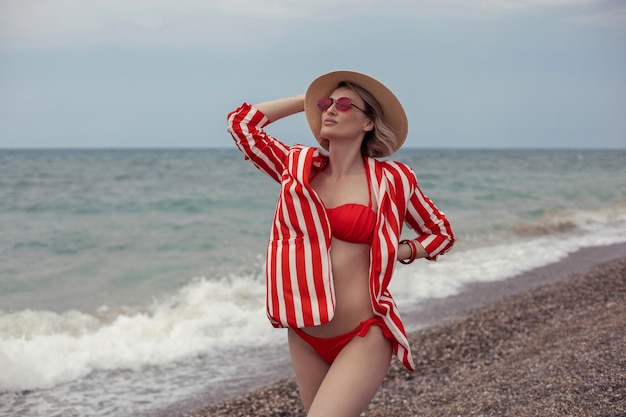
(351, 124)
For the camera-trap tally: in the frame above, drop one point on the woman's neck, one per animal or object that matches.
(343, 162)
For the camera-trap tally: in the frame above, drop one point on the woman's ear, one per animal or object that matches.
(369, 125)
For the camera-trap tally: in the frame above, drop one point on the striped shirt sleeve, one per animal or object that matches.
(431, 225)
(245, 124)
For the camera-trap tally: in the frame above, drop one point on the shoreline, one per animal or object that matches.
(477, 294)
(482, 335)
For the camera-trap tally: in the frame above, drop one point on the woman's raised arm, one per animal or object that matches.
(283, 107)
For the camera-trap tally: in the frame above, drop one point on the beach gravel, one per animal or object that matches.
(557, 350)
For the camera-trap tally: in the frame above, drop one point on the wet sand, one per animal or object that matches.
(555, 347)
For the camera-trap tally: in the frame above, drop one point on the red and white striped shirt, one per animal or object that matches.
(299, 277)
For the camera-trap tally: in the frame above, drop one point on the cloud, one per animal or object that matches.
(44, 18)
(214, 22)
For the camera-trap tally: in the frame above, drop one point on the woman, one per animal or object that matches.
(336, 235)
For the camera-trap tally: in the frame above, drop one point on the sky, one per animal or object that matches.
(165, 73)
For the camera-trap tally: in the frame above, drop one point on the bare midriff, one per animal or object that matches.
(350, 263)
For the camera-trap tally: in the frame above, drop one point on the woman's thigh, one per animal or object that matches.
(354, 377)
(309, 367)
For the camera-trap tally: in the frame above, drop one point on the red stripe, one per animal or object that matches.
(314, 253)
(271, 283)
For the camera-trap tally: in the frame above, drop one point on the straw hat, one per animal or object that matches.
(324, 85)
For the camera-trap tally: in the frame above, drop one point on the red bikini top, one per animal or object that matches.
(352, 222)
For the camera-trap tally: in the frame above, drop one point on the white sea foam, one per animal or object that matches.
(504, 260)
(40, 349)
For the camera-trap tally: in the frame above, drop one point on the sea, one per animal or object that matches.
(133, 279)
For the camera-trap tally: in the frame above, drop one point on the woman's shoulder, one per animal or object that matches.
(394, 168)
(304, 153)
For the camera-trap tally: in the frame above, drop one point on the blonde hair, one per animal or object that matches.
(380, 141)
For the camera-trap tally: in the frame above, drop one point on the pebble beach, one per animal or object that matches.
(557, 349)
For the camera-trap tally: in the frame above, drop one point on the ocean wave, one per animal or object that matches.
(505, 258)
(569, 220)
(41, 349)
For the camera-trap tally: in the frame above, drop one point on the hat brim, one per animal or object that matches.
(324, 85)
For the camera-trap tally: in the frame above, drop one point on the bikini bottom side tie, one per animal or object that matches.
(329, 347)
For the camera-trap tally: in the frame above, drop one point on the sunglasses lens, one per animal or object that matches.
(343, 103)
(324, 103)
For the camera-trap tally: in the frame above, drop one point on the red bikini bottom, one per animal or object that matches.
(329, 347)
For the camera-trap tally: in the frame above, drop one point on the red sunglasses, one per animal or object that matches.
(341, 104)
